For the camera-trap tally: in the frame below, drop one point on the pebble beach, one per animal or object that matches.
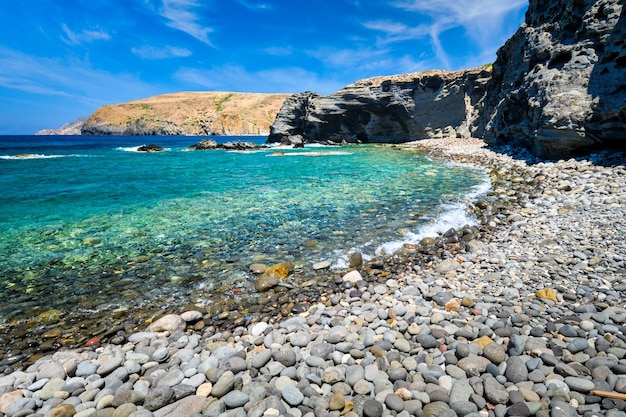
(522, 315)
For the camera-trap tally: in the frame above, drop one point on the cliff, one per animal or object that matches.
(558, 87)
(389, 109)
(72, 128)
(559, 83)
(188, 113)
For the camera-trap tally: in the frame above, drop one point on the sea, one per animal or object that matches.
(89, 226)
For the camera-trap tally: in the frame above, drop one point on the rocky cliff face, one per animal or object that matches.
(198, 113)
(390, 109)
(559, 84)
(558, 87)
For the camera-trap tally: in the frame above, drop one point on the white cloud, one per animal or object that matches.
(69, 79)
(85, 36)
(275, 80)
(181, 15)
(254, 6)
(482, 21)
(279, 50)
(163, 52)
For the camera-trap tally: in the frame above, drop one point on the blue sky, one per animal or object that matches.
(60, 60)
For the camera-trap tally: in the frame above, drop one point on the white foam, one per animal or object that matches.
(332, 153)
(454, 214)
(129, 148)
(33, 156)
(136, 149)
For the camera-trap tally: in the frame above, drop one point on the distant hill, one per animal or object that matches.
(72, 128)
(188, 113)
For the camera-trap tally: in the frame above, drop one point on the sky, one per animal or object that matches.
(61, 60)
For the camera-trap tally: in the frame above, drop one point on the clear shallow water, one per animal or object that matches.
(88, 224)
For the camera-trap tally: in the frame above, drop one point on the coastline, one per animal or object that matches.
(524, 311)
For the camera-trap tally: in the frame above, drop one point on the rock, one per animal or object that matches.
(495, 392)
(204, 144)
(352, 276)
(61, 410)
(552, 74)
(372, 408)
(321, 265)
(191, 316)
(235, 399)
(355, 259)
(167, 324)
(383, 109)
(394, 402)
(150, 148)
(495, 353)
(448, 265)
(158, 398)
(516, 370)
(279, 271)
(474, 362)
(292, 395)
(29, 404)
(224, 384)
(579, 384)
(547, 294)
(337, 401)
(186, 407)
(436, 409)
(265, 282)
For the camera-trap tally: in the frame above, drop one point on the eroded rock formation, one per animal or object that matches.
(389, 109)
(559, 83)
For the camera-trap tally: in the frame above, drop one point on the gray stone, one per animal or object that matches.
(224, 384)
(372, 408)
(292, 395)
(578, 345)
(495, 392)
(463, 408)
(260, 359)
(461, 391)
(516, 370)
(287, 357)
(579, 384)
(437, 409)
(495, 353)
(235, 399)
(158, 398)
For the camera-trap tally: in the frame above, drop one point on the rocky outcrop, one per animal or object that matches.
(389, 109)
(558, 87)
(559, 84)
(210, 144)
(72, 128)
(197, 113)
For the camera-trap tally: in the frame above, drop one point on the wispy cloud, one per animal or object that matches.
(70, 79)
(163, 52)
(482, 21)
(279, 50)
(183, 15)
(274, 80)
(255, 6)
(84, 36)
(365, 61)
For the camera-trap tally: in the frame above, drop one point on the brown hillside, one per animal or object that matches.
(188, 113)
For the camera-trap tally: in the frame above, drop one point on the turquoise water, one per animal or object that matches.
(88, 224)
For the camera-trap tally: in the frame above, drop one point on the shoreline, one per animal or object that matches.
(522, 315)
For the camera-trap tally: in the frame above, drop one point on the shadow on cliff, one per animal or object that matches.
(607, 87)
